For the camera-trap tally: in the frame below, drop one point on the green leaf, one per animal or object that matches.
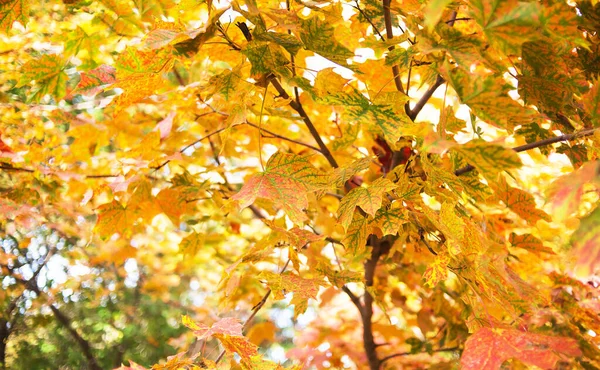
(367, 198)
(286, 181)
(507, 23)
(489, 159)
(488, 98)
(49, 75)
(318, 36)
(266, 57)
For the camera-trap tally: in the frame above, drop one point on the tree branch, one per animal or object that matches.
(354, 299)
(307, 121)
(537, 144)
(295, 106)
(387, 17)
(414, 112)
(367, 312)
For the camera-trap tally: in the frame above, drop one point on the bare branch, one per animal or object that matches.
(537, 144)
(354, 299)
(414, 112)
(367, 312)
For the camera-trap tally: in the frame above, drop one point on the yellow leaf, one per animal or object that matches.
(287, 180)
(369, 199)
(261, 332)
(489, 159)
(114, 218)
(191, 244)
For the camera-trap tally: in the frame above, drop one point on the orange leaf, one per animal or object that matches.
(114, 218)
(286, 181)
(519, 201)
(489, 348)
(226, 326)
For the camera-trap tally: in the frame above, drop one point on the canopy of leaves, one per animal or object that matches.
(257, 184)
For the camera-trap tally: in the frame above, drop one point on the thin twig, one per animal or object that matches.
(307, 121)
(357, 7)
(537, 144)
(255, 309)
(283, 137)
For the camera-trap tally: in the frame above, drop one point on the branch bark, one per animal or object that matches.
(387, 17)
(367, 311)
(537, 144)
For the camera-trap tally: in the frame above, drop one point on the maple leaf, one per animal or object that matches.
(368, 199)
(565, 192)
(49, 75)
(92, 82)
(139, 73)
(318, 35)
(488, 98)
(338, 278)
(438, 270)
(389, 220)
(287, 180)
(519, 201)
(489, 159)
(586, 242)
(303, 289)
(489, 348)
(225, 326)
(11, 11)
(507, 23)
(191, 244)
(357, 233)
(342, 174)
(530, 243)
(115, 218)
